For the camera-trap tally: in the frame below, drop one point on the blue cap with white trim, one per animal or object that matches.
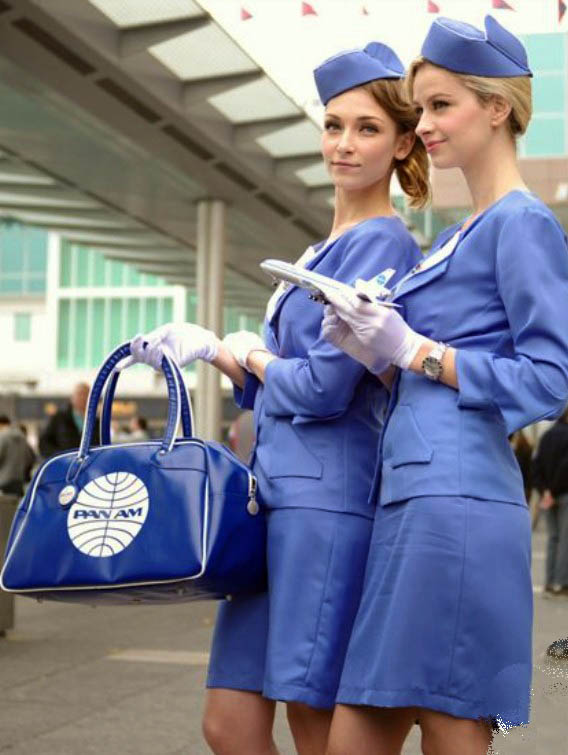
(463, 48)
(353, 68)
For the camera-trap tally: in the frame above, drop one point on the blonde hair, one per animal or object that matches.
(412, 171)
(516, 91)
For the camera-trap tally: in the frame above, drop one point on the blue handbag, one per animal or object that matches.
(146, 522)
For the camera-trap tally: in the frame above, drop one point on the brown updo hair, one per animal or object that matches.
(412, 172)
(516, 91)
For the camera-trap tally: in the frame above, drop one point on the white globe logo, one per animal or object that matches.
(108, 514)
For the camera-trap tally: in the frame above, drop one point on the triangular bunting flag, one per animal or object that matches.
(308, 10)
(433, 7)
(561, 10)
(502, 5)
(245, 15)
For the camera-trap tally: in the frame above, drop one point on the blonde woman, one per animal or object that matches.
(443, 632)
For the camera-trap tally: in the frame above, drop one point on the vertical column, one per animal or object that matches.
(211, 216)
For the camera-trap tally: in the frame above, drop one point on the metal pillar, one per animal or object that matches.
(211, 214)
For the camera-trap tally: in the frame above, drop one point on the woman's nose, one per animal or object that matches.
(424, 125)
(345, 143)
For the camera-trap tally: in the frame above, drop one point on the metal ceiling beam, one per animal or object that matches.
(196, 91)
(135, 39)
(246, 134)
(286, 167)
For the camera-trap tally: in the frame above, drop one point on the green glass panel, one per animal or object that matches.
(37, 251)
(115, 322)
(116, 273)
(190, 307)
(97, 345)
(545, 137)
(151, 320)
(82, 256)
(80, 317)
(11, 284)
(22, 326)
(65, 266)
(230, 320)
(133, 326)
(548, 94)
(12, 255)
(132, 276)
(98, 269)
(63, 333)
(545, 51)
(167, 311)
(35, 284)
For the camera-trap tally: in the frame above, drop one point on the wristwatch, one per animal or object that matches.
(432, 363)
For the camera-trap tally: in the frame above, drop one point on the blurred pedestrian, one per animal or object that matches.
(16, 458)
(64, 428)
(523, 450)
(138, 427)
(550, 477)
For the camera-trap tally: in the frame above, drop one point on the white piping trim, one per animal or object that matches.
(86, 588)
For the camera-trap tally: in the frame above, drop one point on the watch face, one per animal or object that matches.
(432, 367)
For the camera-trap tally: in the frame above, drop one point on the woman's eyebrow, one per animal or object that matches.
(359, 117)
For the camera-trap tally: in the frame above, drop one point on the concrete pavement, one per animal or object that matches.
(75, 680)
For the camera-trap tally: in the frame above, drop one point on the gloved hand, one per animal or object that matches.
(337, 331)
(241, 343)
(183, 342)
(382, 333)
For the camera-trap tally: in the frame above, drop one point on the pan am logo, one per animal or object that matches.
(108, 514)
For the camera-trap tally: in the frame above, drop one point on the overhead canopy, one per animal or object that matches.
(118, 116)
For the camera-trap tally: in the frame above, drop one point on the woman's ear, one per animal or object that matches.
(499, 109)
(404, 144)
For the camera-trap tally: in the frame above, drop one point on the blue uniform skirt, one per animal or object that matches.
(445, 619)
(289, 644)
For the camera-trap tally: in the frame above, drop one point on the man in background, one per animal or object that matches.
(16, 458)
(64, 428)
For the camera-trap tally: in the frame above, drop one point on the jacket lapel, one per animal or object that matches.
(429, 269)
(309, 266)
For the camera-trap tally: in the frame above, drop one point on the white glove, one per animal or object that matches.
(241, 343)
(182, 342)
(337, 331)
(382, 333)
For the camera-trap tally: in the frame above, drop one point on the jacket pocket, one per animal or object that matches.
(404, 442)
(284, 454)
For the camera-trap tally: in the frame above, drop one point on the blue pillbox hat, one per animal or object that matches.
(353, 68)
(463, 48)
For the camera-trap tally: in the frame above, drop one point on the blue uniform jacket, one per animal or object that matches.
(319, 414)
(501, 299)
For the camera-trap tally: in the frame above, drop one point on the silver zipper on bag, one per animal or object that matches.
(252, 505)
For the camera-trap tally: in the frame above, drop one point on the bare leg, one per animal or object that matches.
(237, 722)
(364, 730)
(445, 735)
(310, 728)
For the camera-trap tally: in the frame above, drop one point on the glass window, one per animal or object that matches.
(545, 51)
(151, 318)
(82, 257)
(115, 322)
(97, 346)
(116, 271)
(133, 326)
(548, 94)
(11, 284)
(63, 334)
(22, 326)
(80, 323)
(65, 266)
(98, 269)
(545, 137)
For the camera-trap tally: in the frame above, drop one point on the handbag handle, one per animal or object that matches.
(174, 400)
(108, 398)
